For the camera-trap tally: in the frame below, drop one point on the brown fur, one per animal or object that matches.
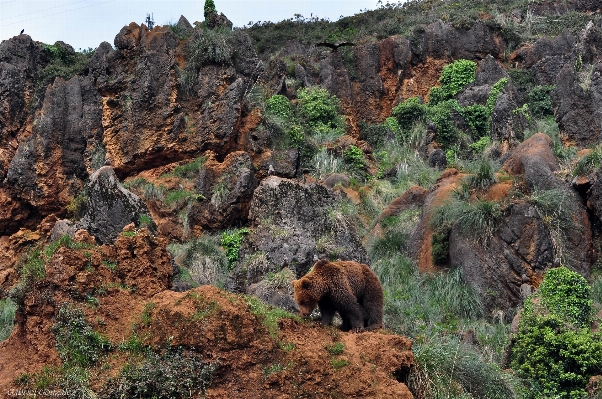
(349, 288)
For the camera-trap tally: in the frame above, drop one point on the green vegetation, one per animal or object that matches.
(482, 174)
(354, 157)
(589, 163)
(77, 343)
(8, 308)
(474, 219)
(190, 170)
(339, 363)
(64, 63)
(268, 315)
(203, 261)
(554, 348)
(175, 373)
(231, 242)
(539, 101)
(336, 349)
(209, 8)
(206, 46)
(306, 125)
(454, 77)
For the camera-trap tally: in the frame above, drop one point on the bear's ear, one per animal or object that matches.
(320, 263)
(305, 284)
(294, 283)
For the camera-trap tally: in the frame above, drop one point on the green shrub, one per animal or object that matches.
(539, 101)
(566, 294)
(77, 343)
(477, 118)
(440, 247)
(354, 158)
(455, 76)
(441, 115)
(231, 243)
(554, 348)
(319, 110)
(279, 106)
(175, 373)
(409, 112)
(209, 8)
(480, 145)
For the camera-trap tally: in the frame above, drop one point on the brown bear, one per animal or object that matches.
(347, 287)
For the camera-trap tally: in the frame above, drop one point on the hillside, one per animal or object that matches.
(159, 194)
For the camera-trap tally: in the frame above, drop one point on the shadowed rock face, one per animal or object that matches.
(109, 207)
(292, 224)
(227, 189)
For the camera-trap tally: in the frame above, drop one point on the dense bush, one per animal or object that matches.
(455, 76)
(354, 158)
(209, 8)
(441, 115)
(173, 374)
(231, 243)
(319, 110)
(477, 117)
(554, 348)
(278, 105)
(539, 101)
(408, 112)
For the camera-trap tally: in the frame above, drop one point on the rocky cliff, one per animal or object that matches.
(168, 141)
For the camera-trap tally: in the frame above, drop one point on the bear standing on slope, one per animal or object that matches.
(347, 287)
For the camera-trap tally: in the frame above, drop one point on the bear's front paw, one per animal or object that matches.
(358, 329)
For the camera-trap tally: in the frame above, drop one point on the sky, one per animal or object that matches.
(86, 23)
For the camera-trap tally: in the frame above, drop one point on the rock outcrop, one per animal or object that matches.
(292, 225)
(108, 207)
(533, 234)
(227, 189)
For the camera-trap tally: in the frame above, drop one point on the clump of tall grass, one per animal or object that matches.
(205, 260)
(482, 173)
(475, 219)
(448, 368)
(589, 163)
(7, 317)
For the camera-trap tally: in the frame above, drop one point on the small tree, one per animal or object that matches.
(209, 7)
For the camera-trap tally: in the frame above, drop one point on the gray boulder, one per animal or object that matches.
(292, 226)
(109, 207)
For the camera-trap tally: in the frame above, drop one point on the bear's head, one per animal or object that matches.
(304, 295)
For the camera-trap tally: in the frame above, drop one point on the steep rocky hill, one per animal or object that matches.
(135, 176)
